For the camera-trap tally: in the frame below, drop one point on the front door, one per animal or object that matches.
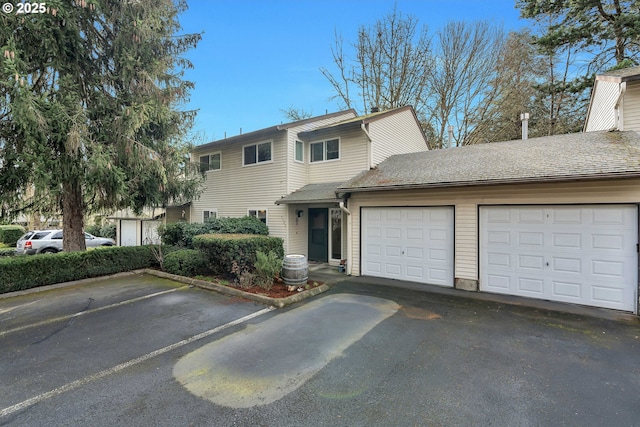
(318, 234)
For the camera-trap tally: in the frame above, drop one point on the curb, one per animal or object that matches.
(226, 290)
(72, 283)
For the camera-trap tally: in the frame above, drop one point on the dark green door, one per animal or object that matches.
(318, 234)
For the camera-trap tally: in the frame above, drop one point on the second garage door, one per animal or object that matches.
(413, 244)
(578, 254)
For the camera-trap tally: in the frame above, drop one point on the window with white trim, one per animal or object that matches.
(256, 153)
(211, 162)
(299, 155)
(325, 150)
(261, 214)
(210, 214)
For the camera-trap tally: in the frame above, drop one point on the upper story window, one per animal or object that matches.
(256, 153)
(325, 150)
(211, 162)
(299, 151)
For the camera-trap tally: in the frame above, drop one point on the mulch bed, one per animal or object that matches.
(278, 290)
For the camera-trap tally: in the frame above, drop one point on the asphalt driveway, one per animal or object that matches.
(140, 350)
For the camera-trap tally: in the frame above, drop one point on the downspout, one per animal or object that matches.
(618, 110)
(349, 226)
(369, 148)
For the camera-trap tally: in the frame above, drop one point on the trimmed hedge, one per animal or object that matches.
(182, 233)
(185, 262)
(7, 252)
(235, 254)
(30, 271)
(108, 231)
(9, 234)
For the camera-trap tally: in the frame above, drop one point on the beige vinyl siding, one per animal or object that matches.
(631, 113)
(353, 159)
(466, 243)
(298, 231)
(298, 173)
(395, 134)
(602, 110)
(298, 177)
(466, 201)
(236, 188)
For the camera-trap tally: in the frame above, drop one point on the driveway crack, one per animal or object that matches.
(70, 322)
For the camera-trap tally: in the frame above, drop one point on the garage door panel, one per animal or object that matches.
(608, 242)
(584, 254)
(499, 238)
(531, 286)
(416, 243)
(607, 295)
(531, 216)
(567, 291)
(415, 272)
(567, 216)
(610, 269)
(498, 282)
(530, 262)
(415, 253)
(566, 240)
(567, 265)
(374, 267)
(535, 239)
(610, 217)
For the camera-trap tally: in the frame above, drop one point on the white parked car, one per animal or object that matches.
(50, 242)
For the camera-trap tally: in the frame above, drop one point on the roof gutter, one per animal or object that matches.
(610, 175)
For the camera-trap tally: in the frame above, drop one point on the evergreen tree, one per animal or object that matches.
(90, 92)
(605, 32)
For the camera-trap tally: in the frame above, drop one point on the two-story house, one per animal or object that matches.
(286, 175)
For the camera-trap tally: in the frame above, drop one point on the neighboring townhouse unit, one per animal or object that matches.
(615, 101)
(553, 218)
(286, 175)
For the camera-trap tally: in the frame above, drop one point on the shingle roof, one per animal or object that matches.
(355, 121)
(562, 157)
(622, 75)
(312, 193)
(267, 131)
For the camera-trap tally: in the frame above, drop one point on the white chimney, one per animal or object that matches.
(524, 118)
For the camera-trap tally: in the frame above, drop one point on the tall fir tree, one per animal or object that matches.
(90, 119)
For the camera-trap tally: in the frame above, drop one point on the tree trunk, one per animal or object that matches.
(73, 218)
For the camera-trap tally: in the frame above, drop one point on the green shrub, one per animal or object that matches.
(7, 252)
(9, 234)
(93, 229)
(267, 265)
(108, 231)
(235, 254)
(182, 233)
(185, 262)
(25, 272)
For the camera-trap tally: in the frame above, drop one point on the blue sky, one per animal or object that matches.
(258, 57)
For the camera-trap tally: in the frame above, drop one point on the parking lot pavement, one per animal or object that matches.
(156, 353)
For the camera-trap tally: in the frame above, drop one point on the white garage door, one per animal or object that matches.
(414, 244)
(128, 232)
(578, 254)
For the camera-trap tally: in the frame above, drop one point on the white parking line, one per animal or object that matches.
(71, 316)
(86, 380)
